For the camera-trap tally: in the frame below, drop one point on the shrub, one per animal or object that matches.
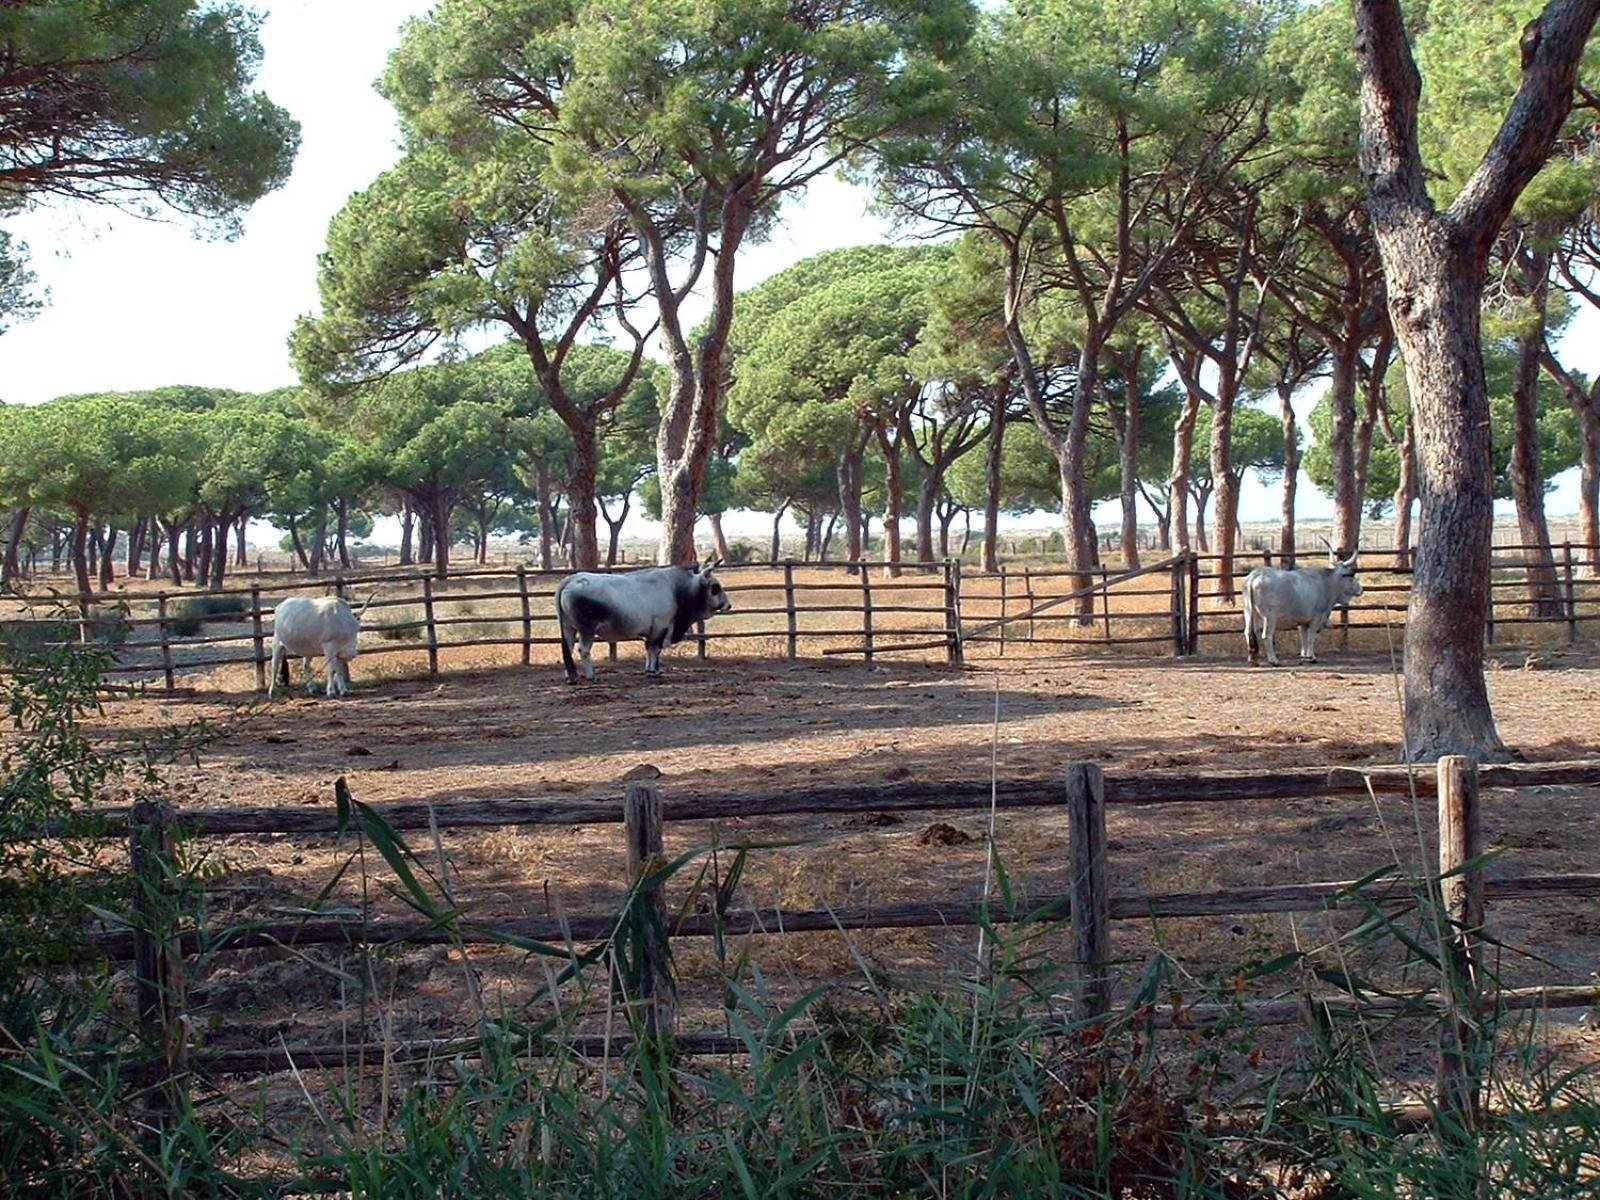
(191, 613)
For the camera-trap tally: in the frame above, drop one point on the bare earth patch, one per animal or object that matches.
(727, 724)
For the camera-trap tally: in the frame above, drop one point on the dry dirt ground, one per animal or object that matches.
(727, 724)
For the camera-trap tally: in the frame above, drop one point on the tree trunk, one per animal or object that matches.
(852, 464)
(10, 565)
(408, 523)
(1527, 481)
(1588, 416)
(242, 556)
(154, 535)
(1178, 487)
(297, 546)
(827, 536)
(174, 555)
(892, 500)
(927, 500)
(1078, 532)
(1341, 445)
(993, 451)
(1227, 491)
(106, 553)
(1128, 463)
(719, 538)
(581, 503)
(219, 552)
(777, 532)
(133, 564)
(1201, 498)
(441, 533)
(80, 556)
(1291, 474)
(341, 510)
(201, 573)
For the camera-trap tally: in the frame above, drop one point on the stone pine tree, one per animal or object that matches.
(1434, 260)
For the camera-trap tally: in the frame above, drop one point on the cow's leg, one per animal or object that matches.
(1269, 632)
(652, 655)
(330, 668)
(1308, 640)
(311, 676)
(278, 662)
(585, 645)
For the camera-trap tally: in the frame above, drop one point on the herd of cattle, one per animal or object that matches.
(658, 605)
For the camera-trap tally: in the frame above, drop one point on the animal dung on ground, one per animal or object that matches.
(942, 833)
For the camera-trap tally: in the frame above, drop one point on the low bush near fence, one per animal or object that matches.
(190, 613)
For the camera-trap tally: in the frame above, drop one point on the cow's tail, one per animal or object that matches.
(565, 629)
(1252, 639)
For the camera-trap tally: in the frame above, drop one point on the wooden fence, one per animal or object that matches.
(790, 609)
(1089, 906)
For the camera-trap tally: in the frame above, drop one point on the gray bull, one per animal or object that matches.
(1303, 597)
(658, 604)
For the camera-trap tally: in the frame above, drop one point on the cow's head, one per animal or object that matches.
(1346, 586)
(713, 597)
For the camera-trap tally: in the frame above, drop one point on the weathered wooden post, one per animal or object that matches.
(789, 609)
(166, 643)
(641, 826)
(866, 613)
(1086, 886)
(1461, 1042)
(1027, 579)
(1192, 621)
(432, 629)
(157, 957)
(1004, 604)
(1180, 642)
(1572, 596)
(259, 637)
(955, 655)
(527, 616)
(1105, 600)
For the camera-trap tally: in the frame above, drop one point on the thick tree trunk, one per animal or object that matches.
(297, 546)
(133, 562)
(1078, 532)
(441, 534)
(1227, 491)
(9, 566)
(1341, 445)
(718, 538)
(927, 501)
(852, 463)
(992, 483)
(1589, 483)
(201, 573)
(408, 524)
(341, 509)
(1201, 499)
(174, 555)
(827, 537)
(219, 552)
(581, 503)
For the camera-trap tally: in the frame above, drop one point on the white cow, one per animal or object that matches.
(306, 626)
(1303, 597)
(657, 604)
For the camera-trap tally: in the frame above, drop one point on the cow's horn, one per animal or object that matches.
(370, 599)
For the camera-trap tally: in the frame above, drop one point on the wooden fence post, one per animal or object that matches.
(259, 637)
(1086, 885)
(1459, 1074)
(789, 609)
(1572, 596)
(432, 629)
(1004, 610)
(866, 613)
(1180, 643)
(954, 653)
(1491, 603)
(527, 616)
(157, 959)
(641, 826)
(1027, 579)
(1105, 600)
(1192, 621)
(166, 644)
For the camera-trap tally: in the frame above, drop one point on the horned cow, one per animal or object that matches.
(306, 626)
(657, 604)
(1302, 597)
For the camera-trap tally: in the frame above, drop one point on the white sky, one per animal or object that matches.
(137, 304)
